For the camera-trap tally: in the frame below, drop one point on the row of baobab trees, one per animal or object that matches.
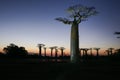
(109, 51)
(40, 46)
(82, 51)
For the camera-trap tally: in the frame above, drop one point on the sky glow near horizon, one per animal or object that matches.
(30, 22)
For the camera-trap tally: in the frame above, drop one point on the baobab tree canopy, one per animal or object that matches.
(78, 13)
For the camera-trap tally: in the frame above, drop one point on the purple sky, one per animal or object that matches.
(29, 22)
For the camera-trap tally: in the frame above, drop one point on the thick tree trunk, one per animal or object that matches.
(39, 50)
(51, 52)
(62, 53)
(74, 51)
(97, 53)
(45, 51)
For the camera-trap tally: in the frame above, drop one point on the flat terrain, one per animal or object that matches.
(36, 70)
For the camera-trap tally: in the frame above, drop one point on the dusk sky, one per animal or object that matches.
(29, 22)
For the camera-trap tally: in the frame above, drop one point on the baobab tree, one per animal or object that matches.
(90, 51)
(56, 51)
(40, 48)
(51, 48)
(117, 51)
(111, 50)
(97, 51)
(78, 13)
(86, 51)
(45, 51)
(62, 49)
(108, 52)
(82, 50)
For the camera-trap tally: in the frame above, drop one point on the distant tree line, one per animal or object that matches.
(13, 50)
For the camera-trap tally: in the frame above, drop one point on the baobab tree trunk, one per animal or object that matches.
(40, 50)
(45, 51)
(51, 52)
(97, 53)
(62, 52)
(91, 51)
(74, 51)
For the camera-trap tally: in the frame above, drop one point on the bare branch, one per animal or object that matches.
(117, 33)
(64, 20)
(118, 37)
(78, 13)
(81, 12)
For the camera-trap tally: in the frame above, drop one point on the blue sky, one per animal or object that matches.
(29, 22)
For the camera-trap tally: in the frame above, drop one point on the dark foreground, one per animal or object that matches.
(28, 70)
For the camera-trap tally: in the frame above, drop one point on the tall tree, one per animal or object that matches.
(86, 51)
(82, 51)
(56, 51)
(97, 51)
(62, 49)
(40, 48)
(51, 50)
(117, 51)
(111, 50)
(91, 51)
(45, 51)
(78, 13)
(108, 52)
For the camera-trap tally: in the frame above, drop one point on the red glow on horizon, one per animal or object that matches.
(66, 51)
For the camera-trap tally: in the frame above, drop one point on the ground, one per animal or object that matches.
(32, 70)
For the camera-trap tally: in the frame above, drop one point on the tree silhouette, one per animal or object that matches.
(108, 52)
(56, 50)
(97, 51)
(111, 51)
(91, 51)
(51, 50)
(117, 51)
(81, 51)
(40, 48)
(62, 53)
(86, 51)
(14, 50)
(45, 51)
(78, 13)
